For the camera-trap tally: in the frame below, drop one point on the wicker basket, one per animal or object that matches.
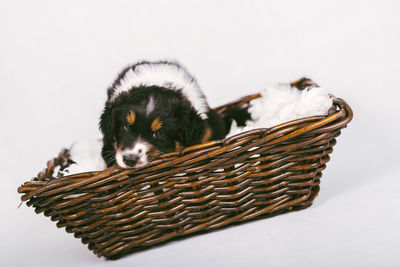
(255, 174)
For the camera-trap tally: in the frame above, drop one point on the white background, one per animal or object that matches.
(57, 59)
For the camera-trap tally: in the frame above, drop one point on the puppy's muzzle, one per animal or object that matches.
(134, 156)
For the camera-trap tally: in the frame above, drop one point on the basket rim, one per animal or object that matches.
(342, 113)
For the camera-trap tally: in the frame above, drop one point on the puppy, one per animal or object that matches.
(155, 108)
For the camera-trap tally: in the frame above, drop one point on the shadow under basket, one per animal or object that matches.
(255, 174)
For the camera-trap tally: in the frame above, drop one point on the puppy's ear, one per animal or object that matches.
(106, 124)
(191, 125)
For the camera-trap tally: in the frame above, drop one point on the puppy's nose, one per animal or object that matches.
(130, 160)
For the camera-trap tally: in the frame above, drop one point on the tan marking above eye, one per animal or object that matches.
(156, 124)
(130, 118)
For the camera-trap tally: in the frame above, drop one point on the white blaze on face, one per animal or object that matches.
(150, 105)
(139, 149)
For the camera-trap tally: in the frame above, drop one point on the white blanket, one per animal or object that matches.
(282, 103)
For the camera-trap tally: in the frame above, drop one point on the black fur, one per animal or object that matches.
(182, 125)
(180, 121)
(240, 115)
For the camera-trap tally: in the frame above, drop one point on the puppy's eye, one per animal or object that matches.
(127, 126)
(157, 134)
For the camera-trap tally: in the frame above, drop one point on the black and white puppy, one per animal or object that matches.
(155, 108)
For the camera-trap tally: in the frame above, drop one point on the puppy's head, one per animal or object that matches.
(141, 125)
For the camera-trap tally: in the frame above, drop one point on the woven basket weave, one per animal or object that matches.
(255, 174)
